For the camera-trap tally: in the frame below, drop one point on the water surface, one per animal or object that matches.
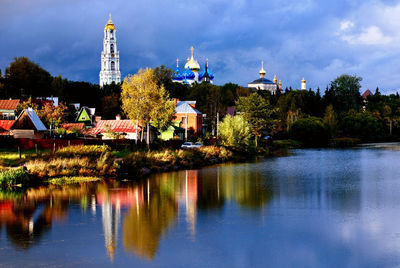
(315, 208)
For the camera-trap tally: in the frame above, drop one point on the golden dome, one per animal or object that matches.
(275, 79)
(109, 25)
(192, 63)
(303, 80)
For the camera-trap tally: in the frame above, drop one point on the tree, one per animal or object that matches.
(364, 126)
(257, 111)
(346, 90)
(51, 115)
(330, 118)
(311, 131)
(24, 77)
(144, 100)
(234, 131)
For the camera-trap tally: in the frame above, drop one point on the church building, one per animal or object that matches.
(110, 56)
(264, 84)
(192, 72)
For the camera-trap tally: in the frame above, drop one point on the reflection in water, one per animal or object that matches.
(141, 214)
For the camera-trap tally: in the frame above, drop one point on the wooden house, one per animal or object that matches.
(187, 116)
(28, 125)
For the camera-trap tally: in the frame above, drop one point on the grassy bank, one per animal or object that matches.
(143, 163)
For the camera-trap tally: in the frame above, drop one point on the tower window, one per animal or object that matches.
(112, 66)
(111, 34)
(112, 48)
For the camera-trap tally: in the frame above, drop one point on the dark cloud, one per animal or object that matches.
(294, 38)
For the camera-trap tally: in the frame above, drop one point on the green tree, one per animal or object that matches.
(346, 91)
(311, 131)
(144, 100)
(330, 118)
(234, 131)
(364, 126)
(257, 111)
(24, 77)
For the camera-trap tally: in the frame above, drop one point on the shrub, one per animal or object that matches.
(345, 142)
(70, 180)
(311, 131)
(13, 177)
(234, 131)
(364, 126)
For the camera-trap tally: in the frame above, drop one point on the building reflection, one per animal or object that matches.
(139, 213)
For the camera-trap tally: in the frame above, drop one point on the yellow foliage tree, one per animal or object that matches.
(145, 101)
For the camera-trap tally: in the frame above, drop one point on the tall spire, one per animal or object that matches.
(191, 51)
(207, 62)
(262, 71)
(177, 62)
(275, 79)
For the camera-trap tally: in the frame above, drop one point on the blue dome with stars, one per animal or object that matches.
(188, 74)
(177, 75)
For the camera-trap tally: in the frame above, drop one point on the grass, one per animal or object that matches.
(13, 177)
(10, 157)
(72, 180)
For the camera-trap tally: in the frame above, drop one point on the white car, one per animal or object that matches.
(197, 145)
(187, 145)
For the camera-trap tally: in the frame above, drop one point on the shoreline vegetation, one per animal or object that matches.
(83, 163)
(88, 163)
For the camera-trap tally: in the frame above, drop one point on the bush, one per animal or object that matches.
(364, 126)
(13, 177)
(345, 142)
(234, 131)
(311, 131)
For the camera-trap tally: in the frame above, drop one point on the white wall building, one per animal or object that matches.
(264, 84)
(110, 71)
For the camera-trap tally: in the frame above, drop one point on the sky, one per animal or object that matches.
(318, 39)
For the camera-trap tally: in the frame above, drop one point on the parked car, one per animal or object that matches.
(197, 145)
(187, 145)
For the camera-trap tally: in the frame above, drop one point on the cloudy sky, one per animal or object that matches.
(317, 39)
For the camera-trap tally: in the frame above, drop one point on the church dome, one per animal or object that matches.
(188, 74)
(192, 63)
(177, 75)
(110, 25)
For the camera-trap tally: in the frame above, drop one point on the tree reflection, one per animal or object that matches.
(143, 226)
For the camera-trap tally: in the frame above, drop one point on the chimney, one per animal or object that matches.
(117, 117)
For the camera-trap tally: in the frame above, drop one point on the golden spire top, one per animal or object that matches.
(177, 62)
(262, 71)
(275, 79)
(191, 51)
(280, 82)
(303, 80)
(110, 24)
(207, 62)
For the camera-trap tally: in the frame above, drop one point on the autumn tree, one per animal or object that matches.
(146, 101)
(235, 132)
(52, 115)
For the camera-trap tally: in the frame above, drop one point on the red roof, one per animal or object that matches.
(102, 126)
(8, 104)
(70, 126)
(366, 94)
(6, 124)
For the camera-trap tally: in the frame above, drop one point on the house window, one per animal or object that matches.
(183, 120)
(112, 66)
(83, 118)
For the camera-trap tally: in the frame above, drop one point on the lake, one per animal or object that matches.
(314, 208)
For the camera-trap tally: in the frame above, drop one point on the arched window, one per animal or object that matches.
(112, 66)
(112, 48)
(111, 34)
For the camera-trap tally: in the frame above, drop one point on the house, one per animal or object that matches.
(85, 115)
(5, 126)
(187, 115)
(8, 109)
(28, 125)
(115, 129)
(73, 126)
(172, 132)
(366, 94)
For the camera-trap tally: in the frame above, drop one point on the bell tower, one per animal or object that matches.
(110, 71)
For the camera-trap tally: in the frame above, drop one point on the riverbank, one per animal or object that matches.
(66, 165)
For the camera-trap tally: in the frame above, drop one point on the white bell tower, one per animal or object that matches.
(110, 56)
